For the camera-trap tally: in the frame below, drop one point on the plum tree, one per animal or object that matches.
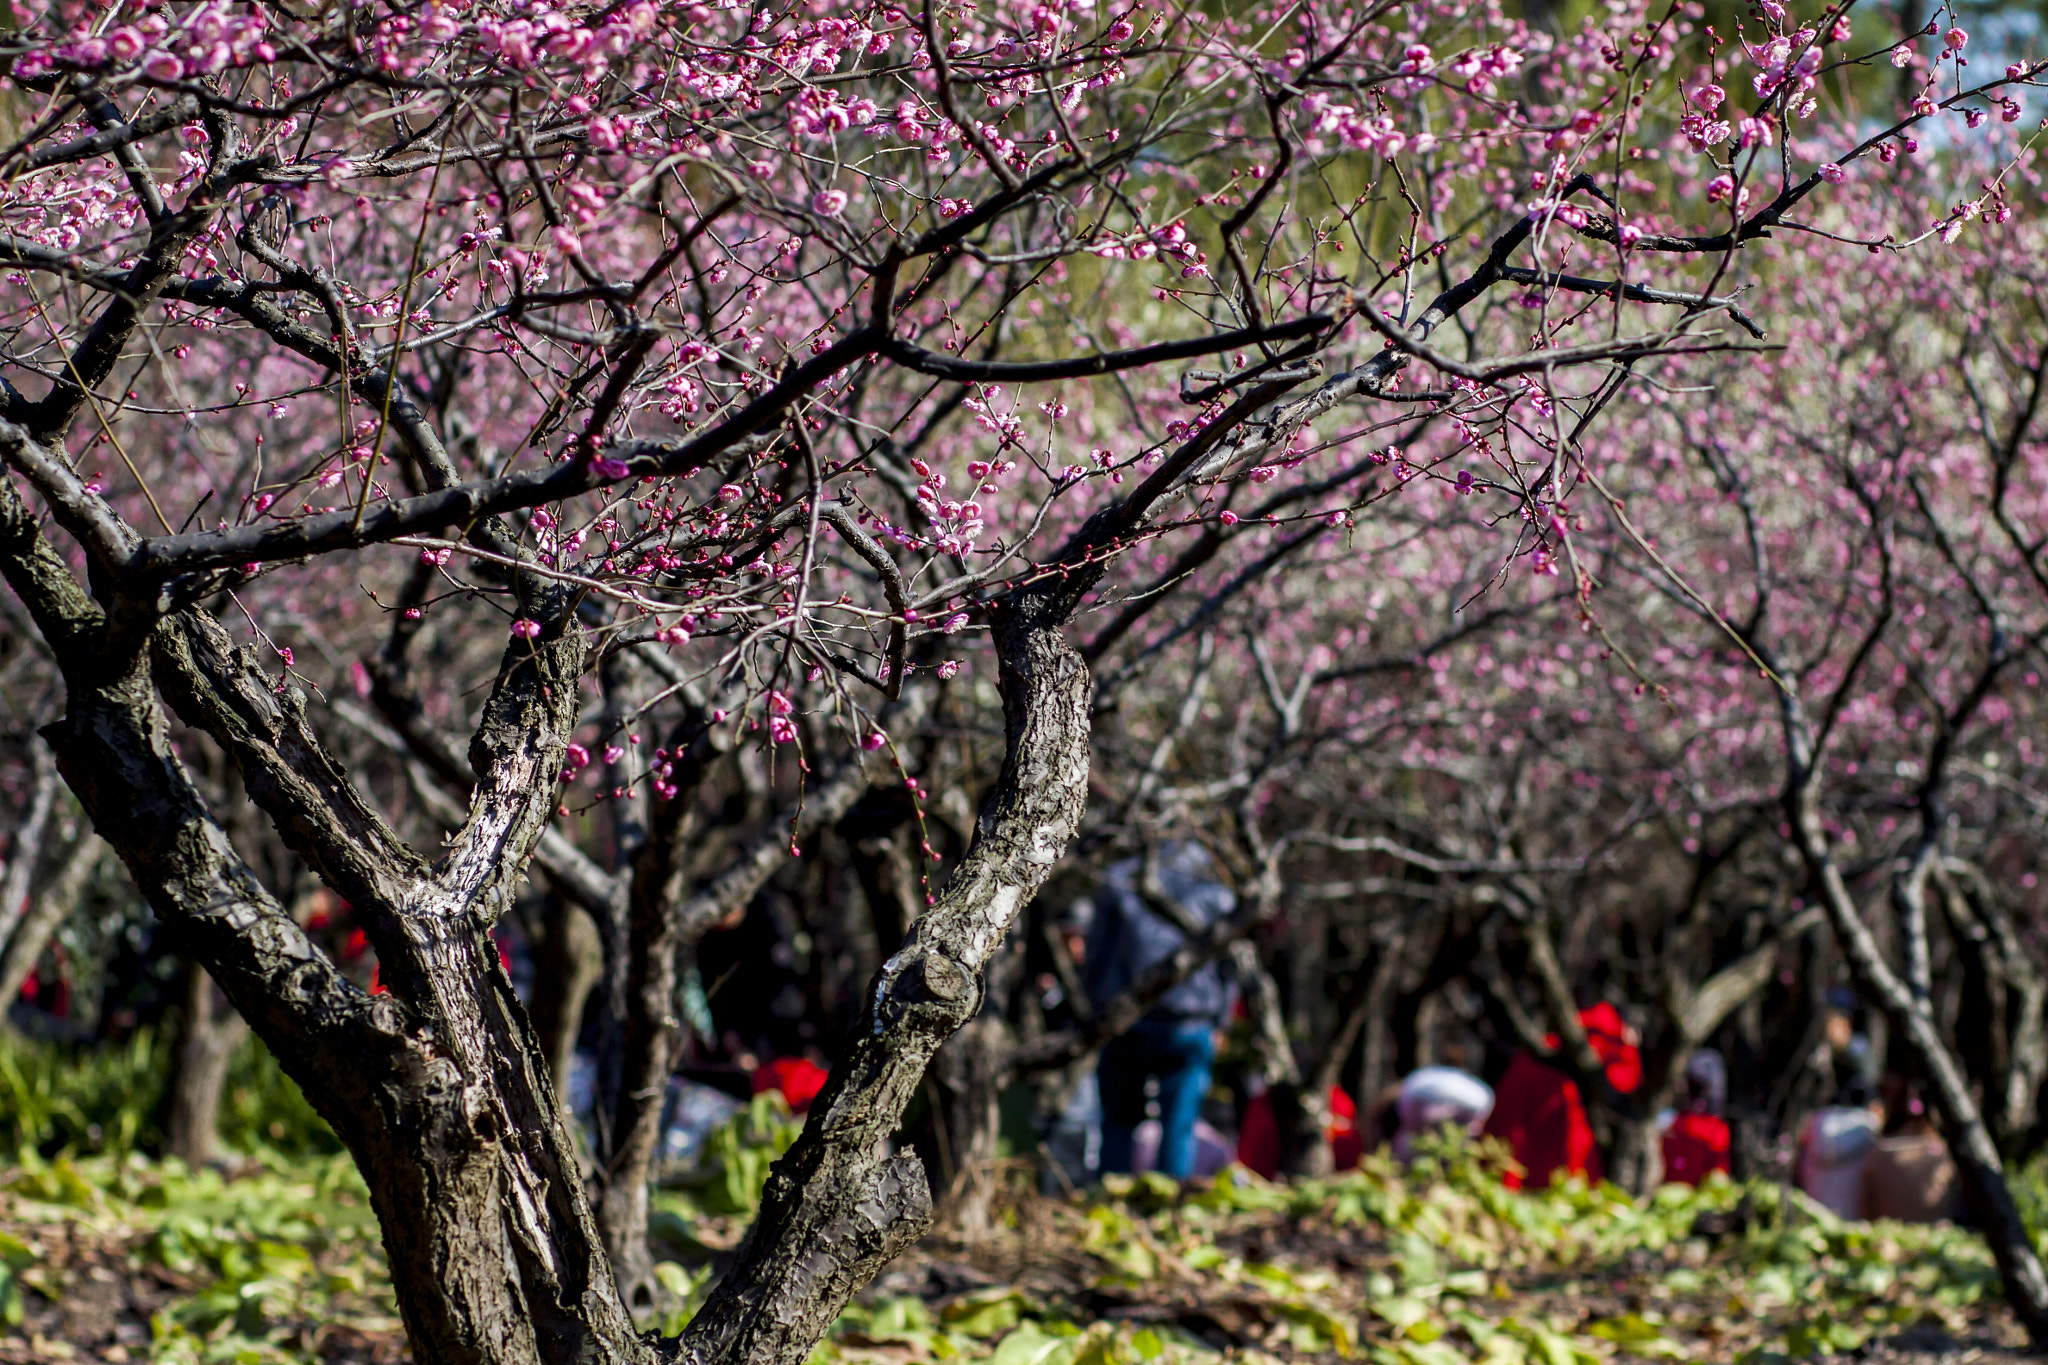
(647, 395)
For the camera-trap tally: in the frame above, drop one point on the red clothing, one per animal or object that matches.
(1538, 1113)
(1695, 1144)
(798, 1078)
(1258, 1137)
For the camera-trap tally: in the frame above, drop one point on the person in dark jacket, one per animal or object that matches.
(1176, 1041)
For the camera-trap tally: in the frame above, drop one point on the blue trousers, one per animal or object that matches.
(1180, 1055)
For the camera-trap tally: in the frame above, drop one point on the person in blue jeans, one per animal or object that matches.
(1139, 920)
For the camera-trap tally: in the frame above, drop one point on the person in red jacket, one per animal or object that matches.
(798, 1078)
(1537, 1110)
(1697, 1142)
(1258, 1135)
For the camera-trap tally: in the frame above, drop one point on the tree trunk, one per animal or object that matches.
(1969, 1138)
(836, 1208)
(438, 1088)
(1365, 992)
(46, 913)
(209, 1031)
(1635, 1160)
(971, 1070)
(882, 863)
(570, 961)
(970, 1074)
(2015, 998)
(664, 925)
(26, 847)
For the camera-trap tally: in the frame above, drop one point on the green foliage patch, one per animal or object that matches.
(272, 1260)
(62, 1100)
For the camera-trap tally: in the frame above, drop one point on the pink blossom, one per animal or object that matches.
(949, 668)
(782, 729)
(873, 740)
(525, 629)
(1832, 173)
(1956, 39)
(829, 203)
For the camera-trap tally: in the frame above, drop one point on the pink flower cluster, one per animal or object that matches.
(204, 41)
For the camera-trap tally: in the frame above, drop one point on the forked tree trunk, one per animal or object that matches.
(439, 1087)
(209, 1031)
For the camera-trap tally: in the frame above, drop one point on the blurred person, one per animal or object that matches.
(1910, 1174)
(1175, 1043)
(1539, 1113)
(1258, 1134)
(1835, 1147)
(1437, 1097)
(1696, 1141)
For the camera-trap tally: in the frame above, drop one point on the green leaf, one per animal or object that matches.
(985, 1312)
(1635, 1334)
(1335, 1328)
(1401, 1313)
(1028, 1345)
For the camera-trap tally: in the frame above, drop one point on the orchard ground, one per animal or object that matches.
(273, 1259)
